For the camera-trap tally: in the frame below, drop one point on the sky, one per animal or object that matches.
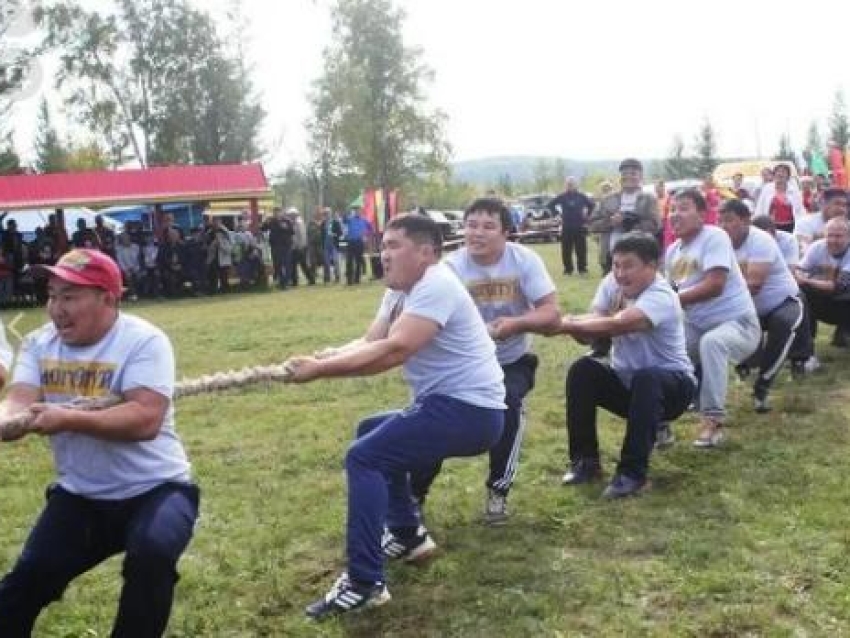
(601, 79)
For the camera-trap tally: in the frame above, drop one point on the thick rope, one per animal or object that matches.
(15, 426)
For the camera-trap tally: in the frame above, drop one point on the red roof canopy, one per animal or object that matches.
(137, 186)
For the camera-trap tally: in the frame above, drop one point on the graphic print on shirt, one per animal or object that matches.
(683, 268)
(492, 296)
(77, 378)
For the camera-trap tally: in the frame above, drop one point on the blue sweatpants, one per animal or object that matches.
(73, 534)
(391, 445)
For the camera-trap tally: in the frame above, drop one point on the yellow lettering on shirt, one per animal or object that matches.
(495, 290)
(77, 378)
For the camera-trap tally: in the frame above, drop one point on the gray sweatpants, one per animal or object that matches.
(712, 350)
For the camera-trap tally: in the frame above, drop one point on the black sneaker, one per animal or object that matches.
(345, 596)
(760, 401)
(743, 371)
(798, 370)
(622, 486)
(418, 547)
(839, 338)
(583, 471)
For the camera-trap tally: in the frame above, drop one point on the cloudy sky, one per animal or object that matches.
(586, 80)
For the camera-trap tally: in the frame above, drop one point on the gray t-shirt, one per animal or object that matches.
(133, 354)
(789, 247)
(760, 248)
(820, 264)
(661, 347)
(460, 362)
(508, 288)
(811, 227)
(688, 264)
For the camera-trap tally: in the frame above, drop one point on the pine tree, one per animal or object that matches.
(50, 155)
(839, 127)
(677, 165)
(705, 150)
(785, 153)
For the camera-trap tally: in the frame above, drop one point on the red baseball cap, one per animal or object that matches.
(85, 267)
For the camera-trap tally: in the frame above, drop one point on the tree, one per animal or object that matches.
(86, 157)
(155, 81)
(705, 149)
(785, 153)
(13, 62)
(839, 127)
(814, 143)
(505, 184)
(677, 165)
(559, 174)
(50, 155)
(370, 116)
(10, 163)
(542, 175)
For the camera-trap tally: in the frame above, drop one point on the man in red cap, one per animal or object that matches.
(123, 481)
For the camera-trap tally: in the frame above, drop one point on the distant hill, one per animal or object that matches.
(521, 168)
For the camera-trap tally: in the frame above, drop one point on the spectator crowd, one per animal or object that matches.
(208, 259)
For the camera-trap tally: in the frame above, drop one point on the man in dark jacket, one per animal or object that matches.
(575, 208)
(281, 232)
(624, 211)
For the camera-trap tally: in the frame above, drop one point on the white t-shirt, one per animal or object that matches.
(661, 347)
(460, 361)
(688, 264)
(810, 228)
(6, 354)
(508, 288)
(820, 264)
(133, 354)
(760, 248)
(789, 247)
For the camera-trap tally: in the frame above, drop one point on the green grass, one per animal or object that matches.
(749, 540)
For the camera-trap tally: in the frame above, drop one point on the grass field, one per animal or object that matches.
(749, 540)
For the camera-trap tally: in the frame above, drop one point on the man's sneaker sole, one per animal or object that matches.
(709, 442)
(395, 549)
(422, 552)
(336, 603)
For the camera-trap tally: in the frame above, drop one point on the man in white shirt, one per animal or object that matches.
(775, 295)
(824, 277)
(787, 242)
(123, 481)
(720, 320)
(129, 257)
(650, 378)
(516, 297)
(427, 323)
(812, 227)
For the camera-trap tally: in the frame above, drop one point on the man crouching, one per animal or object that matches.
(650, 378)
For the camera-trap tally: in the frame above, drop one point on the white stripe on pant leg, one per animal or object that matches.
(771, 372)
(507, 480)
